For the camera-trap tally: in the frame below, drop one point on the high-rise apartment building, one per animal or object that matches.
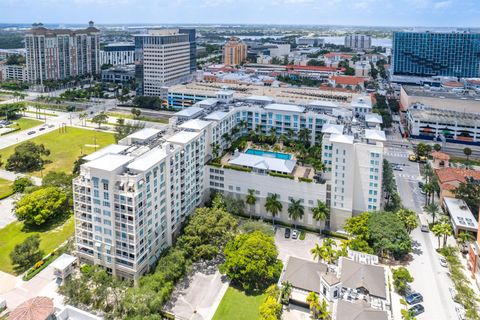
(426, 54)
(131, 198)
(358, 41)
(118, 54)
(54, 54)
(234, 52)
(163, 57)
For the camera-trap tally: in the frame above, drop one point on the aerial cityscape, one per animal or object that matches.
(235, 160)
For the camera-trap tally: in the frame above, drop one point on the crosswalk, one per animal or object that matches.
(408, 176)
(396, 154)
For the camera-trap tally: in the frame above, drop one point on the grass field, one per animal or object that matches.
(25, 123)
(14, 233)
(5, 188)
(236, 305)
(65, 148)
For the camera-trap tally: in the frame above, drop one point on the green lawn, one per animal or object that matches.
(14, 233)
(25, 123)
(65, 148)
(5, 188)
(236, 305)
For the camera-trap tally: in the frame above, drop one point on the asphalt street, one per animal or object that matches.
(431, 279)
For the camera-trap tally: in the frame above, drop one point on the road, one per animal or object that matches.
(431, 279)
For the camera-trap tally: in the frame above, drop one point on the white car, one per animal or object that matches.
(294, 234)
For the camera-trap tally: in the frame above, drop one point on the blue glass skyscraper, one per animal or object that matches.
(424, 54)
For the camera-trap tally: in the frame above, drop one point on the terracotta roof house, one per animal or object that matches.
(450, 178)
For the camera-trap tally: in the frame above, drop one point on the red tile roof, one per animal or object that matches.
(348, 80)
(455, 174)
(312, 68)
(342, 55)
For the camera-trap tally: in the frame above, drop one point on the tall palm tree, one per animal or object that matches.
(322, 312)
(295, 211)
(251, 199)
(320, 212)
(273, 205)
(312, 300)
(316, 252)
(427, 172)
(465, 237)
(328, 253)
(286, 291)
(432, 209)
(304, 136)
(428, 188)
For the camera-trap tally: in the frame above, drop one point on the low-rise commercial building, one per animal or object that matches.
(118, 54)
(14, 72)
(119, 74)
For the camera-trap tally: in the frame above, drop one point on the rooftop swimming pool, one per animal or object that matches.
(270, 154)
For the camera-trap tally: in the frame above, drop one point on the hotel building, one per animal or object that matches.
(131, 198)
(55, 54)
(234, 52)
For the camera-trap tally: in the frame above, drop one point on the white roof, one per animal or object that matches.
(260, 98)
(284, 107)
(264, 163)
(208, 102)
(148, 159)
(323, 103)
(113, 148)
(189, 112)
(373, 118)
(216, 116)
(377, 135)
(63, 262)
(332, 128)
(183, 137)
(461, 215)
(341, 138)
(363, 101)
(144, 134)
(195, 124)
(109, 162)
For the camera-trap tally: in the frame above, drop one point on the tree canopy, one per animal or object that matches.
(42, 205)
(27, 253)
(27, 157)
(251, 261)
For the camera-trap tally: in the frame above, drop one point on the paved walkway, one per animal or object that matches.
(16, 291)
(6, 211)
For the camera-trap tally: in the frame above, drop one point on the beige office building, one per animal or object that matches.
(234, 52)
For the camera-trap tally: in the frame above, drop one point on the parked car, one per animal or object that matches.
(51, 126)
(424, 228)
(414, 298)
(416, 310)
(287, 233)
(420, 184)
(41, 129)
(398, 168)
(443, 262)
(294, 234)
(31, 132)
(453, 294)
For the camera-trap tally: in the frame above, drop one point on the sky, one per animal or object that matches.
(430, 13)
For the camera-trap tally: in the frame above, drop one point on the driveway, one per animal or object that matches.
(6, 211)
(198, 295)
(43, 284)
(295, 247)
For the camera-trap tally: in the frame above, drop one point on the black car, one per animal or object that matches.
(420, 184)
(416, 310)
(287, 233)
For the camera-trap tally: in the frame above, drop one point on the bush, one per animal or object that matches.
(281, 175)
(302, 235)
(335, 234)
(238, 168)
(401, 279)
(302, 179)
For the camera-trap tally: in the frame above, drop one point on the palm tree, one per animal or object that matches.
(321, 212)
(295, 211)
(322, 312)
(432, 209)
(215, 149)
(442, 229)
(465, 237)
(428, 188)
(468, 152)
(273, 205)
(304, 136)
(251, 199)
(328, 254)
(427, 172)
(316, 252)
(312, 300)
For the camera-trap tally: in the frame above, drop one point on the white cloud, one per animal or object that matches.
(443, 4)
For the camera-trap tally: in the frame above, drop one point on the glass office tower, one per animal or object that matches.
(425, 54)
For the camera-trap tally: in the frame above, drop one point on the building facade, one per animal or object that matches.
(234, 52)
(55, 54)
(162, 58)
(118, 54)
(14, 72)
(119, 74)
(358, 41)
(426, 54)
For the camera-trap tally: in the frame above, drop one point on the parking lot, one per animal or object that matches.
(295, 247)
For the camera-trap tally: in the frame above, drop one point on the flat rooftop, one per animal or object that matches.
(461, 215)
(109, 162)
(144, 134)
(183, 137)
(445, 117)
(195, 124)
(113, 148)
(284, 107)
(440, 93)
(263, 163)
(148, 159)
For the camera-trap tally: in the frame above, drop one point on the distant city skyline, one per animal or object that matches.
(405, 13)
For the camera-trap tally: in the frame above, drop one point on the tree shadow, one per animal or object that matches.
(49, 224)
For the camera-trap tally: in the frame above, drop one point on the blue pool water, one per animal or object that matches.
(270, 154)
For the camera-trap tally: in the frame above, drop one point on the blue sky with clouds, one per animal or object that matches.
(448, 13)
